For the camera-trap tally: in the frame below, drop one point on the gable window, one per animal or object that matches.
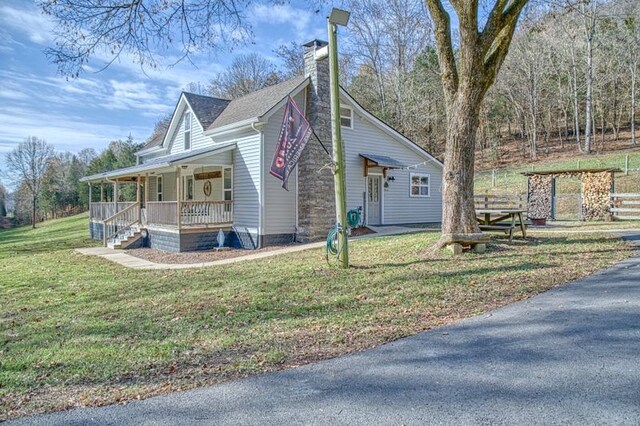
(159, 188)
(187, 130)
(346, 117)
(420, 185)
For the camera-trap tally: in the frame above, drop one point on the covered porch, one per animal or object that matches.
(182, 192)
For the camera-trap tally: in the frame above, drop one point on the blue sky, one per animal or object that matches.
(98, 107)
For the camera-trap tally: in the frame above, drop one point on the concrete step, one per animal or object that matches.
(125, 241)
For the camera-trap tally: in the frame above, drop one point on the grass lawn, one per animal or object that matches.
(79, 331)
(510, 180)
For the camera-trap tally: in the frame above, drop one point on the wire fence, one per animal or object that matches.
(512, 181)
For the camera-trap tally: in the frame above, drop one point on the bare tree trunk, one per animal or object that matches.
(34, 201)
(576, 110)
(590, 29)
(634, 72)
(458, 213)
(615, 109)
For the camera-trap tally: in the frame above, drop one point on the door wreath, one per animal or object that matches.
(207, 188)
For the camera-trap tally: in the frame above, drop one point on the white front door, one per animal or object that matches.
(374, 195)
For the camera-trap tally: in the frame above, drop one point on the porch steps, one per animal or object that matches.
(125, 240)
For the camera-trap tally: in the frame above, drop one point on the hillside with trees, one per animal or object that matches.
(52, 188)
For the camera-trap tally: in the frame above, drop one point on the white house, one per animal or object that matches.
(210, 172)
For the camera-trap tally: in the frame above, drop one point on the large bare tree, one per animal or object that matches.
(466, 77)
(27, 166)
(247, 73)
(145, 30)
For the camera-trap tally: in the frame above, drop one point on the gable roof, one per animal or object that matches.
(153, 142)
(255, 104)
(206, 108)
(390, 130)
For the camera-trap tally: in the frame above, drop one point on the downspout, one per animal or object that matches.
(261, 196)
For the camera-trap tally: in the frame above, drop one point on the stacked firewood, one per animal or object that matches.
(596, 189)
(540, 196)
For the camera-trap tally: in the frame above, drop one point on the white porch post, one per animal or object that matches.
(178, 197)
(115, 193)
(146, 189)
(138, 193)
(90, 200)
(101, 192)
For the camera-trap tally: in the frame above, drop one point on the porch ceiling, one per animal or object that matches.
(161, 164)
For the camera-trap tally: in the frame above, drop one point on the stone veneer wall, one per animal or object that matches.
(316, 198)
(96, 230)
(188, 241)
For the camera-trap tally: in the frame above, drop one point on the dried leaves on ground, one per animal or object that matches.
(77, 331)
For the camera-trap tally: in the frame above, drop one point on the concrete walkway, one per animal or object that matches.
(568, 356)
(121, 257)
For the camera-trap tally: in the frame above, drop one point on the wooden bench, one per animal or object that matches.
(503, 213)
(505, 220)
(499, 201)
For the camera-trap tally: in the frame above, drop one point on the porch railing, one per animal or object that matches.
(206, 212)
(162, 213)
(104, 210)
(121, 222)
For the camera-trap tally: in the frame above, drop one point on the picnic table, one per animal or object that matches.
(503, 220)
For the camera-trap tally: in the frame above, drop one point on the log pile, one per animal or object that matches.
(596, 189)
(540, 196)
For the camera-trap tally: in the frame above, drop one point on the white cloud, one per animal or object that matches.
(30, 22)
(298, 18)
(65, 132)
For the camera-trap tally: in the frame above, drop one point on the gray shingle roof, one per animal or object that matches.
(206, 108)
(156, 163)
(155, 141)
(255, 104)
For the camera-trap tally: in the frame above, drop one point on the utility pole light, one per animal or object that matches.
(338, 17)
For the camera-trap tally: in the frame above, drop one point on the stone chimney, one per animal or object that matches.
(316, 196)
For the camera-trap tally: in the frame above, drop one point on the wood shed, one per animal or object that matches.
(595, 191)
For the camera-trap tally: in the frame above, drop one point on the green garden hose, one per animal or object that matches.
(353, 218)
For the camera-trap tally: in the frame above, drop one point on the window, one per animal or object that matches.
(227, 187)
(420, 185)
(188, 193)
(159, 188)
(346, 117)
(187, 130)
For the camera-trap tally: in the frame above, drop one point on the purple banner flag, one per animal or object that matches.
(294, 135)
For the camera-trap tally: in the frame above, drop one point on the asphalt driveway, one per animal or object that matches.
(568, 356)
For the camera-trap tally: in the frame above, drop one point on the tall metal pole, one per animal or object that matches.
(338, 156)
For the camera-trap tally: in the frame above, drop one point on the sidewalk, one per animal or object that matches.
(121, 257)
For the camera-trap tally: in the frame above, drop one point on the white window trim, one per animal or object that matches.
(350, 116)
(160, 193)
(421, 175)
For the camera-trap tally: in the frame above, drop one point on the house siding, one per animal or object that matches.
(279, 204)
(198, 138)
(153, 188)
(246, 187)
(169, 187)
(399, 207)
(216, 185)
